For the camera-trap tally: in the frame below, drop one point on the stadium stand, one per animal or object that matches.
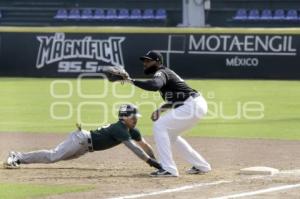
(292, 14)
(258, 13)
(123, 14)
(136, 14)
(266, 14)
(91, 12)
(238, 13)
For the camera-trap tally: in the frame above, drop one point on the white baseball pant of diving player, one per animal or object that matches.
(167, 130)
(74, 146)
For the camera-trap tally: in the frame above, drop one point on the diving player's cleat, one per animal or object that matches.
(12, 161)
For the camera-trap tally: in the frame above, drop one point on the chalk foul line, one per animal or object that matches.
(173, 190)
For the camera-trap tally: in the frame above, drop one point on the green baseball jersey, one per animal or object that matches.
(111, 135)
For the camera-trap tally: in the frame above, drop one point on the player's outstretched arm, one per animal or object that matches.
(146, 147)
(141, 154)
(149, 85)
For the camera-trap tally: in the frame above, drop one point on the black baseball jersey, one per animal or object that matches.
(172, 88)
(112, 135)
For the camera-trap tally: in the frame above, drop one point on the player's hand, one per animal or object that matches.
(127, 80)
(155, 115)
(153, 163)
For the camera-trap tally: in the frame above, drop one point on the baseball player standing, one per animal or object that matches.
(82, 141)
(186, 107)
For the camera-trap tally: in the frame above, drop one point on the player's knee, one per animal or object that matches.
(54, 156)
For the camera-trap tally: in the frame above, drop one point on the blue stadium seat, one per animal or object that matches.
(87, 13)
(123, 14)
(111, 14)
(99, 14)
(61, 14)
(74, 14)
(148, 14)
(266, 14)
(161, 14)
(254, 14)
(136, 14)
(241, 14)
(292, 15)
(279, 14)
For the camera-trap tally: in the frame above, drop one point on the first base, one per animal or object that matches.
(259, 171)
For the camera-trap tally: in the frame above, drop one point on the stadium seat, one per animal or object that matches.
(111, 14)
(87, 13)
(99, 14)
(292, 15)
(123, 14)
(279, 14)
(161, 14)
(148, 14)
(74, 14)
(254, 14)
(266, 14)
(61, 14)
(136, 14)
(241, 14)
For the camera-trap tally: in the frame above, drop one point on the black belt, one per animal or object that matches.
(193, 95)
(90, 145)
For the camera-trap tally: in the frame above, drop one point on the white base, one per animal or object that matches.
(259, 171)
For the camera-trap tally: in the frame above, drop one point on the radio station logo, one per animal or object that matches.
(58, 48)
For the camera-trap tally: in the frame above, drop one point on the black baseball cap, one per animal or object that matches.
(127, 110)
(152, 55)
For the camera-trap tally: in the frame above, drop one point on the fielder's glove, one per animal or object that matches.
(114, 74)
(154, 163)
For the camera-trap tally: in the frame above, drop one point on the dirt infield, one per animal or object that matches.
(117, 172)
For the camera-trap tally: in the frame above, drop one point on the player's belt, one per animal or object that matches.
(90, 145)
(194, 95)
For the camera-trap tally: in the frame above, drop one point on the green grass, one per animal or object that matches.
(25, 107)
(24, 191)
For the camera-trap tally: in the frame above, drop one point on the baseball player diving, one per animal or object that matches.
(185, 108)
(81, 141)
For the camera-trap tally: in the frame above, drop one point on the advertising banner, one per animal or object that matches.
(191, 55)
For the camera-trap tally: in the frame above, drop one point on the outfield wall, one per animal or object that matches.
(192, 52)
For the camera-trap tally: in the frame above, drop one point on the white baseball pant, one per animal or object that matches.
(167, 130)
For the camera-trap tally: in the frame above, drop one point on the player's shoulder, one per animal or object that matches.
(135, 134)
(135, 130)
(161, 72)
(118, 127)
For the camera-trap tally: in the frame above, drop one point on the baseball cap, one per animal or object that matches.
(152, 55)
(127, 110)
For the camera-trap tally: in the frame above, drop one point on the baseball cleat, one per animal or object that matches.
(161, 173)
(12, 161)
(195, 170)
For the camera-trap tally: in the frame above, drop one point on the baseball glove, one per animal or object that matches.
(115, 73)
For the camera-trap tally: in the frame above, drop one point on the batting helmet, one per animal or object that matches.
(127, 110)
